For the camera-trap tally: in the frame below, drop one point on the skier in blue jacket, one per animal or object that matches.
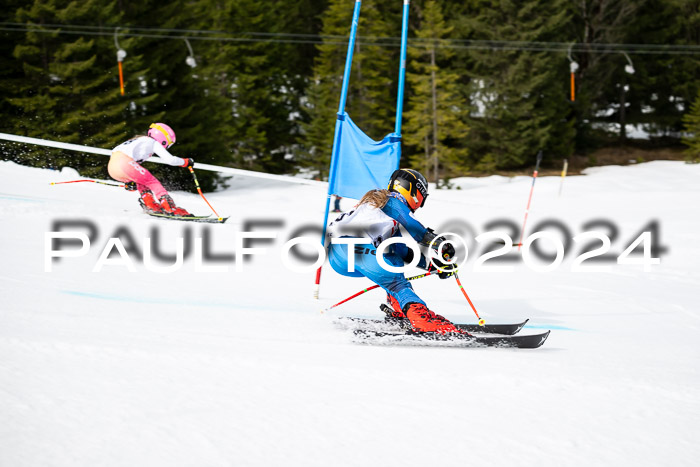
(377, 216)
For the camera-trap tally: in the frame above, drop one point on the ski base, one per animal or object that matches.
(415, 338)
(206, 219)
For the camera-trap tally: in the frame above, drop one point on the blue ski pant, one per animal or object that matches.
(366, 265)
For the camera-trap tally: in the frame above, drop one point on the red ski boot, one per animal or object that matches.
(395, 308)
(149, 203)
(393, 312)
(168, 205)
(424, 320)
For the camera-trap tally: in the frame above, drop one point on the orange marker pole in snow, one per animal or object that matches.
(563, 175)
(529, 199)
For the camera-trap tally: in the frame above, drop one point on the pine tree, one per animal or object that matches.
(435, 120)
(664, 85)
(59, 92)
(603, 85)
(520, 94)
(259, 79)
(11, 74)
(66, 93)
(692, 128)
(371, 95)
(324, 89)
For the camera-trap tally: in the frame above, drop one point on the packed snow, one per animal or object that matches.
(207, 365)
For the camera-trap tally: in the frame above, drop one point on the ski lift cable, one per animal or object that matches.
(365, 40)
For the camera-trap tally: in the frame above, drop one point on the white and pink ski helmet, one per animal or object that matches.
(162, 133)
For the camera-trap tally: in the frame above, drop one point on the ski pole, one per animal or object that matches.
(196, 182)
(459, 283)
(90, 181)
(372, 288)
(527, 209)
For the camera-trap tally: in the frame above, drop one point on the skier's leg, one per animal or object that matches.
(143, 177)
(396, 285)
(116, 167)
(123, 168)
(338, 259)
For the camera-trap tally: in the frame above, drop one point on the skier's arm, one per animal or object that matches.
(401, 213)
(406, 254)
(166, 157)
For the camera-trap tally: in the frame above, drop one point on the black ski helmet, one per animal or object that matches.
(411, 185)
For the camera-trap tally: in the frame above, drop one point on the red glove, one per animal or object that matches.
(189, 162)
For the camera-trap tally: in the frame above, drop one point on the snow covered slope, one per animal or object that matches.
(225, 367)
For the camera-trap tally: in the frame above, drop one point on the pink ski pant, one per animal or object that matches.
(123, 168)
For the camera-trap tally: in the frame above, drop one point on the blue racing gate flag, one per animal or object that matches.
(362, 164)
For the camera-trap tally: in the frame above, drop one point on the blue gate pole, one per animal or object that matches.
(402, 68)
(338, 130)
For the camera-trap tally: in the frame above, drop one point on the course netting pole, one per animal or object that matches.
(529, 199)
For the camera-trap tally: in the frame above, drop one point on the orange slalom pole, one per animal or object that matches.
(459, 283)
(121, 78)
(196, 182)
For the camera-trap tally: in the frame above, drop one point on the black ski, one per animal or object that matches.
(206, 219)
(505, 329)
(390, 323)
(415, 338)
